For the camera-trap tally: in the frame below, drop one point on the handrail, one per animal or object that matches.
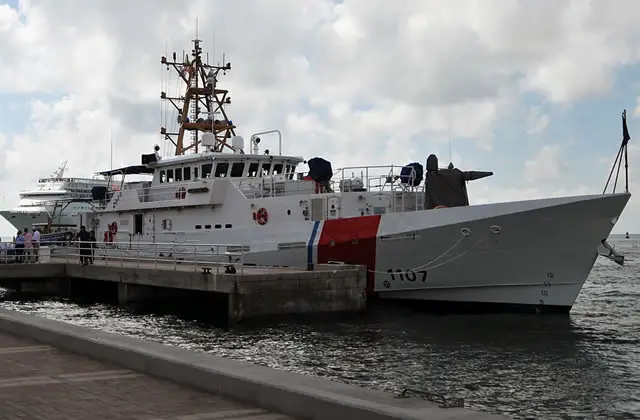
(163, 255)
(376, 179)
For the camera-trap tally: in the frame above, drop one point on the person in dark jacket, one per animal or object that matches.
(85, 245)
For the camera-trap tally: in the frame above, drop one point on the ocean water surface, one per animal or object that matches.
(585, 365)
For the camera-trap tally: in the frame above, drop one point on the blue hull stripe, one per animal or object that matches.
(312, 240)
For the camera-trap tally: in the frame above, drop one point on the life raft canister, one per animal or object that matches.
(111, 233)
(262, 216)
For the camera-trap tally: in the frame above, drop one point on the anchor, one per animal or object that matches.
(608, 251)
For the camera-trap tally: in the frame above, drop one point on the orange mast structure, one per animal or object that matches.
(201, 108)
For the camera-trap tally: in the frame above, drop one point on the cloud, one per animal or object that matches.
(547, 166)
(357, 81)
(536, 121)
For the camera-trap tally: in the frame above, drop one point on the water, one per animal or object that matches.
(586, 365)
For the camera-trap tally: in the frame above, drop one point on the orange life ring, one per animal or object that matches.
(439, 207)
(262, 216)
(181, 193)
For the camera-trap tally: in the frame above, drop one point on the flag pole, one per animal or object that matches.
(625, 140)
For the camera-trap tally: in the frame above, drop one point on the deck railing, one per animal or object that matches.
(386, 179)
(175, 256)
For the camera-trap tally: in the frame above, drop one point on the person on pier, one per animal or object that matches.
(28, 245)
(19, 246)
(35, 240)
(85, 245)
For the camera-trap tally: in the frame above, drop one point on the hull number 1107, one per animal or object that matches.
(398, 274)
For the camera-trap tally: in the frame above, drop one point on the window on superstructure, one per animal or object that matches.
(253, 169)
(266, 168)
(195, 172)
(186, 173)
(169, 175)
(178, 176)
(277, 168)
(206, 170)
(289, 171)
(221, 169)
(237, 169)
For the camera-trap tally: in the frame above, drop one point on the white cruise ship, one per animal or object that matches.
(55, 201)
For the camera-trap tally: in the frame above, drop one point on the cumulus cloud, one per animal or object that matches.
(357, 81)
(547, 166)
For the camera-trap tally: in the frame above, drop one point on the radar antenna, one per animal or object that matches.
(201, 109)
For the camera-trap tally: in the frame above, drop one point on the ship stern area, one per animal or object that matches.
(532, 256)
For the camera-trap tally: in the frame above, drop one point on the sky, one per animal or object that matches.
(531, 90)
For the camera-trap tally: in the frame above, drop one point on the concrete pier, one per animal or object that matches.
(258, 387)
(250, 292)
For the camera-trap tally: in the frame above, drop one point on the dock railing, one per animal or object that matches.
(170, 255)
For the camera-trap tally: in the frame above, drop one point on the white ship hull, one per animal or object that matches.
(53, 200)
(21, 219)
(533, 254)
(24, 219)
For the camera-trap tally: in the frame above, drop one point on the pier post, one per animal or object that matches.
(132, 293)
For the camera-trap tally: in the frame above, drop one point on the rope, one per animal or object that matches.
(451, 248)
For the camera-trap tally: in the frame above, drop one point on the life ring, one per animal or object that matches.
(181, 193)
(262, 216)
(439, 207)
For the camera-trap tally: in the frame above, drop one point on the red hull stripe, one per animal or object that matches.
(352, 241)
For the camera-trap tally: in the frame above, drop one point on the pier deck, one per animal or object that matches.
(39, 381)
(249, 292)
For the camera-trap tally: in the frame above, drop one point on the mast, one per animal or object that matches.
(201, 108)
(59, 173)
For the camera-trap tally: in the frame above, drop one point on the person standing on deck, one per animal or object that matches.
(28, 245)
(35, 240)
(19, 246)
(85, 243)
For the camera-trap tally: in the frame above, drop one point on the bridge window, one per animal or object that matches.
(195, 172)
(253, 169)
(266, 168)
(178, 175)
(162, 177)
(206, 170)
(290, 170)
(277, 168)
(169, 175)
(237, 169)
(186, 173)
(221, 169)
